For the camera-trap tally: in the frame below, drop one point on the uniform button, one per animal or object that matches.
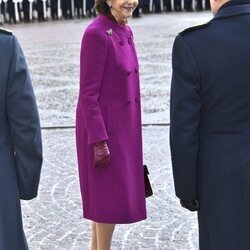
(121, 43)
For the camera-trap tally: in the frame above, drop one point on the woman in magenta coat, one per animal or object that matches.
(108, 123)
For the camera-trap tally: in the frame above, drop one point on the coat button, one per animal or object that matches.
(128, 73)
(121, 43)
(136, 70)
(137, 99)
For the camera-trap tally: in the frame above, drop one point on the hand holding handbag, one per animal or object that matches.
(148, 188)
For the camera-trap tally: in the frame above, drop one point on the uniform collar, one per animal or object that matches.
(233, 8)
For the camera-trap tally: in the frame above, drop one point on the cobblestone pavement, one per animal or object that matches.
(52, 51)
(54, 219)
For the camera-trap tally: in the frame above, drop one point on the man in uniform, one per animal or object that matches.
(20, 142)
(1, 12)
(210, 124)
(66, 9)
(11, 11)
(167, 6)
(40, 10)
(145, 6)
(157, 6)
(199, 6)
(89, 7)
(78, 5)
(54, 9)
(188, 5)
(4, 10)
(177, 5)
(207, 5)
(26, 11)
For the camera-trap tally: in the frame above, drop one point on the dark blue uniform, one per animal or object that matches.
(66, 9)
(40, 10)
(20, 142)
(167, 5)
(210, 125)
(177, 5)
(54, 9)
(11, 11)
(89, 7)
(26, 11)
(79, 8)
(145, 6)
(188, 5)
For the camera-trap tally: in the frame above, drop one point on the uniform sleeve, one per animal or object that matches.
(92, 66)
(185, 106)
(24, 124)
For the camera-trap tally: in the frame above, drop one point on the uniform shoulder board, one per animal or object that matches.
(196, 27)
(5, 31)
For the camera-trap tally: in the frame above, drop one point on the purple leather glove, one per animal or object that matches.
(101, 154)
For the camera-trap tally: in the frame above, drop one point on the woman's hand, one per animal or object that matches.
(101, 155)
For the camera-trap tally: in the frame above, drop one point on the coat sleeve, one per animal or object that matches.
(24, 125)
(92, 66)
(185, 106)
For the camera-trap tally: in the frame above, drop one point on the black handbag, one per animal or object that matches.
(148, 188)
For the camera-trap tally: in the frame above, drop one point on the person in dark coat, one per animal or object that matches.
(145, 6)
(20, 10)
(11, 12)
(199, 5)
(167, 5)
(4, 11)
(78, 4)
(1, 12)
(210, 121)
(207, 5)
(157, 6)
(26, 11)
(90, 8)
(40, 11)
(177, 5)
(20, 142)
(54, 9)
(188, 5)
(66, 9)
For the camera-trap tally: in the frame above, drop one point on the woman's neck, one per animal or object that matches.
(120, 21)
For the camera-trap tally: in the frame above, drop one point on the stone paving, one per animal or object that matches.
(54, 219)
(52, 51)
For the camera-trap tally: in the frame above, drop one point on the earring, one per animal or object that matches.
(109, 4)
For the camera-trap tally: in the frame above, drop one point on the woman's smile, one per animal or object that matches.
(129, 9)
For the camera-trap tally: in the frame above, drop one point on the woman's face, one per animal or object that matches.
(122, 9)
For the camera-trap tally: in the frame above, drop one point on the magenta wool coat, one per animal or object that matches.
(109, 109)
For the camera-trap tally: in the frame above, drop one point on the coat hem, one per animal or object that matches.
(115, 221)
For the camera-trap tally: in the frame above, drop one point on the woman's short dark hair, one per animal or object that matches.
(102, 7)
